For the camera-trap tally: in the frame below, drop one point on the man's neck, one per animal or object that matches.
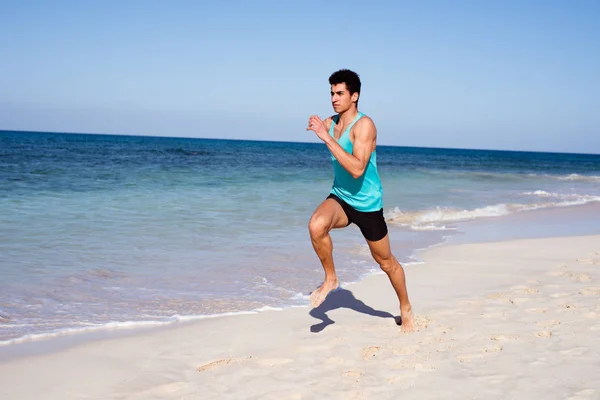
(346, 117)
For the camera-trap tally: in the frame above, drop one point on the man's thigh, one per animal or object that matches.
(330, 214)
(380, 249)
(371, 223)
(375, 231)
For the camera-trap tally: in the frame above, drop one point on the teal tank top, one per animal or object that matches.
(365, 193)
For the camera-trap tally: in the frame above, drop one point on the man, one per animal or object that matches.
(356, 195)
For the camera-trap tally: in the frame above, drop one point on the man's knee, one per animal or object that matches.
(388, 264)
(318, 225)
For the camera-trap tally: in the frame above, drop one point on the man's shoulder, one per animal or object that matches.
(364, 128)
(365, 122)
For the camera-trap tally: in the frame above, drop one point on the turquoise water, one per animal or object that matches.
(99, 231)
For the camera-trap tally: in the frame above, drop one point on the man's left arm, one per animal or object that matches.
(364, 143)
(362, 147)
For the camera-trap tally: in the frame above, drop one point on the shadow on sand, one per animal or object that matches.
(342, 298)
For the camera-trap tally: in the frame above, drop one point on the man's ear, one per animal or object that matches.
(354, 97)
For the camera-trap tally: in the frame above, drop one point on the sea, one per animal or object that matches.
(109, 232)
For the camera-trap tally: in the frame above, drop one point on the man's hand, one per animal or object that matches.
(316, 125)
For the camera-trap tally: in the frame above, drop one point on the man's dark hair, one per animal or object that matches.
(350, 78)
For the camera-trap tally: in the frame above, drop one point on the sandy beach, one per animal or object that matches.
(504, 320)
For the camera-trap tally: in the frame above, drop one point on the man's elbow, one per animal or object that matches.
(357, 173)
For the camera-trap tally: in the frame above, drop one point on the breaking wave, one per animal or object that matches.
(439, 217)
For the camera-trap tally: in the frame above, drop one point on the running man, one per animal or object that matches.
(357, 195)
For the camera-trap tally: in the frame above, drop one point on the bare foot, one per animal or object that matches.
(407, 320)
(318, 296)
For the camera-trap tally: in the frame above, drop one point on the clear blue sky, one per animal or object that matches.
(473, 74)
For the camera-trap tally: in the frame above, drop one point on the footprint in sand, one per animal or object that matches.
(421, 322)
(221, 363)
(544, 334)
(369, 352)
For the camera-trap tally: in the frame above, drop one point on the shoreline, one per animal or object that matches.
(484, 311)
(523, 225)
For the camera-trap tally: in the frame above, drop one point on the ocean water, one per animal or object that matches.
(100, 231)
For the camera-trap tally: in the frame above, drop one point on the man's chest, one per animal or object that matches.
(339, 131)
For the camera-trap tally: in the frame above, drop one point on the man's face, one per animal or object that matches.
(341, 98)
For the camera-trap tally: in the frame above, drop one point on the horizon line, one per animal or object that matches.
(290, 141)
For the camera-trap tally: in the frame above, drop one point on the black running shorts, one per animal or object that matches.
(371, 223)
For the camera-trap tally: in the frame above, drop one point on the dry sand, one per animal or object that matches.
(506, 320)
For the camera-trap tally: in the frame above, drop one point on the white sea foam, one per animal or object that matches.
(570, 177)
(434, 219)
(576, 177)
(118, 325)
(300, 296)
(541, 193)
(269, 308)
(88, 329)
(565, 199)
(431, 227)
